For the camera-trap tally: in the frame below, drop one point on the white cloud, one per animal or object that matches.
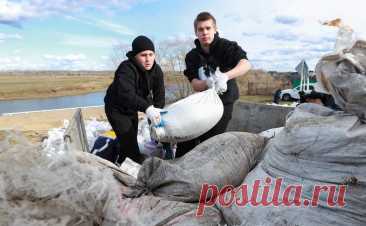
(287, 20)
(70, 57)
(10, 62)
(277, 34)
(17, 51)
(114, 27)
(65, 62)
(104, 25)
(76, 61)
(4, 37)
(178, 40)
(88, 41)
(13, 13)
(283, 35)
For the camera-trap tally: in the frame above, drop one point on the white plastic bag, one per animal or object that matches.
(190, 117)
(345, 36)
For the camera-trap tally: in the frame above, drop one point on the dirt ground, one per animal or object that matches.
(35, 125)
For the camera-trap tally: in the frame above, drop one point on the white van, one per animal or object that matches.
(293, 94)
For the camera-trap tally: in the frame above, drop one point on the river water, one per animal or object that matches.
(91, 99)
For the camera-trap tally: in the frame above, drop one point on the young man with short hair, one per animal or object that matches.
(211, 53)
(138, 85)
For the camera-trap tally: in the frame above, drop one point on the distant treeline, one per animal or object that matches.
(57, 73)
(255, 82)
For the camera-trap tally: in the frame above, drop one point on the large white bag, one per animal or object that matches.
(189, 118)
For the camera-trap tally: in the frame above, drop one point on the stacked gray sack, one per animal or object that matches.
(318, 146)
(59, 188)
(54, 188)
(224, 159)
(151, 210)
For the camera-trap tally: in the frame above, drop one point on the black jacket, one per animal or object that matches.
(134, 89)
(224, 54)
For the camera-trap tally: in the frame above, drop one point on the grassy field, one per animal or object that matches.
(45, 86)
(30, 85)
(256, 99)
(256, 86)
(55, 84)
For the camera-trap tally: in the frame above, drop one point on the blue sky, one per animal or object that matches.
(83, 35)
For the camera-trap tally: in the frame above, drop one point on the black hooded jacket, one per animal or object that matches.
(224, 54)
(135, 89)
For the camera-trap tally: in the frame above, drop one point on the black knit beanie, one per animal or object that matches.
(142, 43)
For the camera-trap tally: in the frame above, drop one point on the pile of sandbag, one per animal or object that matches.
(224, 159)
(342, 72)
(58, 187)
(38, 187)
(151, 210)
(317, 148)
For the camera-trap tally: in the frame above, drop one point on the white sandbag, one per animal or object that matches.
(150, 210)
(143, 135)
(220, 160)
(190, 117)
(318, 146)
(148, 146)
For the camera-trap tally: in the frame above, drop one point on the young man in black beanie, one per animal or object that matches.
(138, 85)
(213, 54)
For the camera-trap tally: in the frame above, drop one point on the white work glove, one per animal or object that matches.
(221, 82)
(153, 114)
(210, 81)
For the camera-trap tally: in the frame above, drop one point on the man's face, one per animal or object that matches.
(146, 59)
(205, 32)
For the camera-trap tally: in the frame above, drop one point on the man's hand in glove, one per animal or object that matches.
(221, 82)
(210, 81)
(153, 114)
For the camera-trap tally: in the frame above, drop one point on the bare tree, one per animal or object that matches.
(172, 56)
(118, 53)
(173, 51)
